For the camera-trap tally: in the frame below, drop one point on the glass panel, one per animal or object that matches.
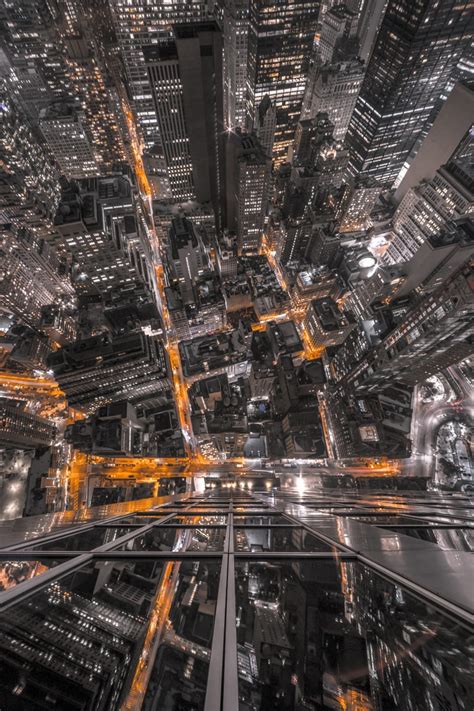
(85, 541)
(457, 539)
(275, 519)
(162, 538)
(380, 520)
(277, 539)
(436, 518)
(334, 634)
(14, 572)
(142, 520)
(248, 510)
(205, 512)
(110, 636)
(196, 520)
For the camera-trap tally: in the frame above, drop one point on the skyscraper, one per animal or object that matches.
(187, 256)
(333, 89)
(338, 34)
(265, 124)
(437, 332)
(370, 17)
(138, 25)
(247, 186)
(285, 34)
(62, 126)
(21, 429)
(239, 64)
(53, 55)
(427, 208)
(98, 231)
(27, 165)
(326, 325)
(103, 369)
(449, 128)
(31, 276)
(185, 76)
(408, 77)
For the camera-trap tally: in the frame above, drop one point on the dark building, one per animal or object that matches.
(376, 425)
(248, 170)
(103, 369)
(21, 429)
(185, 76)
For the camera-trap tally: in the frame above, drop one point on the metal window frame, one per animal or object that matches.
(222, 691)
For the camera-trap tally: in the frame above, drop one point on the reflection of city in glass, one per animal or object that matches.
(164, 538)
(236, 355)
(336, 635)
(283, 609)
(260, 539)
(114, 634)
(14, 572)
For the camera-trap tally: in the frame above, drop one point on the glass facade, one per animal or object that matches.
(409, 76)
(253, 602)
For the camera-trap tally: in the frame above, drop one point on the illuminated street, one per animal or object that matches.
(236, 355)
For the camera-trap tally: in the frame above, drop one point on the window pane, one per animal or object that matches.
(277, 539)
(196, 520)
(338, 636)
(85, 541)
(457, 539)
(381, 520)
(162, 538)
(112, 635)
(261, 520)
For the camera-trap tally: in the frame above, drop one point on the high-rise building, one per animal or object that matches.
(31, 274)
(427, 208)
(356, 205)
(438, 257)
(26, 164)
(318, 171)
(90, 82)
(375, 425)
(436, 333)
(377, 285)
(371, 13)
(21, 429)
(34, 57)
(185, 76)
(366, 335)
(449, 128)
(54, 55)
(239, 64)
(265, 124)
(65, 133)
(103, 369)
(285, 34)
(137, 26)
(333, 89)
(338, 35)
(97, 228)
(247, 188)
(409, 75)
(187, 257)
